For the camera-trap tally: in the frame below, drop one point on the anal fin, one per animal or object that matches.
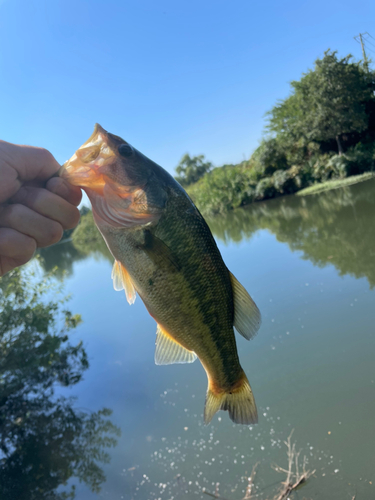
(247, 316)
(168, 351)
(122, 281)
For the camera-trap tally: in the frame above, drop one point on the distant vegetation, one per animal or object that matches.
(324, 130)
(190, 170)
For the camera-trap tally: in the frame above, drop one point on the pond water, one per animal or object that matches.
(309, 263)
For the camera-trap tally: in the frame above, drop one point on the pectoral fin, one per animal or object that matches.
(159, 252)
(122, 281)
(168, 351)
(247, 317)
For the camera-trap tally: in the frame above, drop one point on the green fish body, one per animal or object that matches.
(165, 252)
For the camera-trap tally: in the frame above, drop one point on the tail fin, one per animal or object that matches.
(239, 402)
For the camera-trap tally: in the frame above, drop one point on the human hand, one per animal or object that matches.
(34, 208)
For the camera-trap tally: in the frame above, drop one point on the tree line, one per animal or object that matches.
(323, 130)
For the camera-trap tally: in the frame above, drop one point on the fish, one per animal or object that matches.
(164, 251)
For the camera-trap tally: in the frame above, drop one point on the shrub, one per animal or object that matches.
(339, 165)
(284, 181)
(223, 189)
(265, 189)
(321, 169)
(270, 156)
(361, 158)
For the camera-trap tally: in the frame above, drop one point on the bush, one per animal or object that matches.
(321, 169)
(265, 189)
(270, 156)
(339, 165)
(361, 158)
(222, 189)
(303, 175)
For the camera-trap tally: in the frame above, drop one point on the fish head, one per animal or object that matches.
(122, 184)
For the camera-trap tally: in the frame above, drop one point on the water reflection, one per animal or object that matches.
(60, 256)
(86, 241)
(334, 227)
(44, 439)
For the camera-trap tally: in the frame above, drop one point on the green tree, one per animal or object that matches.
(44, 440)
(191, 169)
(270, 156)
(329, 101)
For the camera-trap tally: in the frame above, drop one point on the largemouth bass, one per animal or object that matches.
(165, 252)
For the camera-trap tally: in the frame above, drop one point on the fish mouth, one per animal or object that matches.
(78, 175)
(82, 168)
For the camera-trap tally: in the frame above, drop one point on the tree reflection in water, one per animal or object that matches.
(85, 241)
(44, 440)
(60, 258)
(334, 227)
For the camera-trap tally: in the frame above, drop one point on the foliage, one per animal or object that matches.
(44, 440)
(326, 103)
(191, 169)
(331, 108)
(361, 158)
(265, 189)
(269, 157)
(223, 188)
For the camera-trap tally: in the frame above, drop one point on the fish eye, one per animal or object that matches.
(125, 150)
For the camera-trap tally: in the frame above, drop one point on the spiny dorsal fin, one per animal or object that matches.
(247, 317)
(168, 351)
(122, 281)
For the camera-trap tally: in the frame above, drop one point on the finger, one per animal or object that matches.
(48, 204)
(15, 249)
(10, 183)
(72, 194)
(43, 230)
(30, 163)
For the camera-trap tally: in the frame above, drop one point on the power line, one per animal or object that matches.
(373, 51)
(360, 36)
(368, 41)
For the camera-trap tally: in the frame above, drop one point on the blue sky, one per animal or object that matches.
(168, 76)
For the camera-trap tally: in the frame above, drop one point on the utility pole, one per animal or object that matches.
(365, 63)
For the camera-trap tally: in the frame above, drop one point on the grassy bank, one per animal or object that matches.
(335, 184)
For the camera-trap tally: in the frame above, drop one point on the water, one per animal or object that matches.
(309, 263)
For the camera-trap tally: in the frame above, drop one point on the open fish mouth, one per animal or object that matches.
(83, 176)
(75, 174)
(83, 168)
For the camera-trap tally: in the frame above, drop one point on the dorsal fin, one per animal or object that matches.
(122, 281)
(247, 318)
(168, 351)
